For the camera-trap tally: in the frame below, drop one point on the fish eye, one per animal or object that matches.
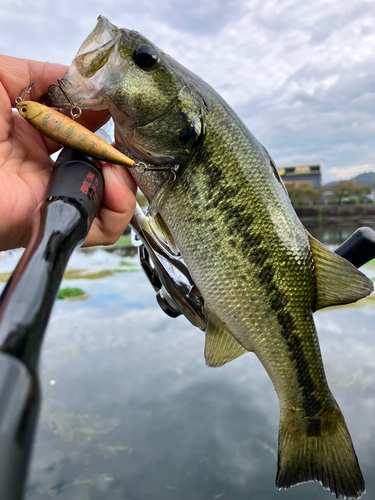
(145, 56)
(24, 109)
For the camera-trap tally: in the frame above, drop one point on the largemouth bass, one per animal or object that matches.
(260, 274)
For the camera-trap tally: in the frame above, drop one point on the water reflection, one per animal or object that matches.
(333, 234)
(130, 411)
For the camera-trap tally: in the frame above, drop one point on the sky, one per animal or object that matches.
(300, 74)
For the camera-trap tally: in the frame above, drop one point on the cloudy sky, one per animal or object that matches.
(301, 74)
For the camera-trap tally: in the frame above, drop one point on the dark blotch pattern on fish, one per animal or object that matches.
(238, 224)
(311, 405)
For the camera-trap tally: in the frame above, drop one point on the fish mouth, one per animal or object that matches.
(82, 85)
(103, 33)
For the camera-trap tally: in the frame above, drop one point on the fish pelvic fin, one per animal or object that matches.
(337, 280)
(221, 347)
(327, 456)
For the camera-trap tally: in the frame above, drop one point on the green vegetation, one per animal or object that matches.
(126, 263)
(71, 293)
(76, 274)
(334, 193)
(124, 240)
(4, 277)
(350, 191)
(302, 193)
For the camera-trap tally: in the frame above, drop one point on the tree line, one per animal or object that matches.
(302, 193)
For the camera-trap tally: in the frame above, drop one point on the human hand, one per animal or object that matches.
(26, 166)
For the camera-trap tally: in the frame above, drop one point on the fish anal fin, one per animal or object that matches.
(221, 347)
(337, 280)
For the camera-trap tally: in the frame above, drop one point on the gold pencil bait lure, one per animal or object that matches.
(67, 132)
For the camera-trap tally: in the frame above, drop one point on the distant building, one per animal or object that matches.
(304, 173)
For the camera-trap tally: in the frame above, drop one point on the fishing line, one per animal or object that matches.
(141, 167)
(27, 90)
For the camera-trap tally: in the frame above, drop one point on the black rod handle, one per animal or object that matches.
(60, 224)
(359, 248)
(19, 396)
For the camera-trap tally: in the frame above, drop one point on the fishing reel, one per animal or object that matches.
(176, 292)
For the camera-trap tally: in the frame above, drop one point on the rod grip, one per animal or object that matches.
(79, 177)
(19, 396)
(359, 248)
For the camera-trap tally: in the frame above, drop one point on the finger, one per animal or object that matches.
(16, 74)
(117, 207)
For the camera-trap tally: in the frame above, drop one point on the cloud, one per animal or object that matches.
(301, 75)
(351, 171)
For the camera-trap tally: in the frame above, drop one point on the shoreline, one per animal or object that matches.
(333, 214)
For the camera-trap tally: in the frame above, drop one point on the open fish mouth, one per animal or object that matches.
(84, 82)
(103, 33)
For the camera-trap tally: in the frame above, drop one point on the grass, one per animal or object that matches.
(124, 240)
(4, 277)
(76, 274)
(71, 294)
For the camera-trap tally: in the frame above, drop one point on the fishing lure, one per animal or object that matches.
(67, 132)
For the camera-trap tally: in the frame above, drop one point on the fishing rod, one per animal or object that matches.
(59, 225)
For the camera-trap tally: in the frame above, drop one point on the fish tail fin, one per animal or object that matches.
(318, 449)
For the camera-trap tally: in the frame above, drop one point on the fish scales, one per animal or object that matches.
(253, 266)
(260, 274)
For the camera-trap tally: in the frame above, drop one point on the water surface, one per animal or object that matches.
(131, 412)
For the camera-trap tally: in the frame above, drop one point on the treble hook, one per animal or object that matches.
(141, 168)
(62, 87)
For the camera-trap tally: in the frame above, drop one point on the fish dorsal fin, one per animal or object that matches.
(337, 280)
(220, 346)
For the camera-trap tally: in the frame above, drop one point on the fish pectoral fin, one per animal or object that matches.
(337, 280)
(221, 347)
(161, 231)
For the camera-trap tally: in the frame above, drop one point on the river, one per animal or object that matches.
(131, 412)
